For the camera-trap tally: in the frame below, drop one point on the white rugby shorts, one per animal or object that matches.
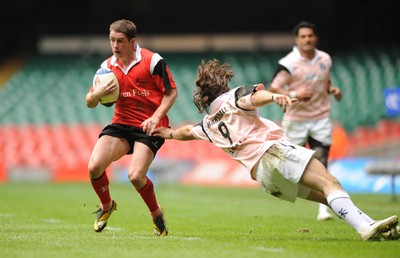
(298, 131)
(280, 169)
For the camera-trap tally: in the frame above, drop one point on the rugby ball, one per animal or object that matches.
(102, 77)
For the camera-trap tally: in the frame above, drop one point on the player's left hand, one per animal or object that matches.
(336, 92)
(163, 132)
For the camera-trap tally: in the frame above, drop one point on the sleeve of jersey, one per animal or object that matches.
(198, 132)
(285, 67)
(244, 93)
(161, 73)
(281, 77)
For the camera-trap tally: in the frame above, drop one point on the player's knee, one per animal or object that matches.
(133, 179)
(334, 183)
(95, 171)
(137, 179)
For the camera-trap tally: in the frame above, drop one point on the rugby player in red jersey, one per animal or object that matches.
(147, 92)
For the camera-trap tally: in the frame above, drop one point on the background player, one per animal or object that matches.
(304, 74)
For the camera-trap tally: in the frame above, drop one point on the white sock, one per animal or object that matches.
(365, 216)
(342, 205)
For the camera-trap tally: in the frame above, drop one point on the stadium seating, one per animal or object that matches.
(44, 120)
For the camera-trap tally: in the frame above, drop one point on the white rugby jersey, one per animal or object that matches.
(242, 134)
(313, 75)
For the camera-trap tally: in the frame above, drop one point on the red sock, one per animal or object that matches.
(148, 196)
(100, 186)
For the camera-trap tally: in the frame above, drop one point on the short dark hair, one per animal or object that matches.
(304, 24)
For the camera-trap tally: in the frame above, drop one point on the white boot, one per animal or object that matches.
(323, 213)
(375, 229)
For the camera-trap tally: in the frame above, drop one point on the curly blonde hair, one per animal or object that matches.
(212, 81)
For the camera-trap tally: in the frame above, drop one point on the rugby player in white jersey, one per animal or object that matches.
(304, 73)
(285, 170)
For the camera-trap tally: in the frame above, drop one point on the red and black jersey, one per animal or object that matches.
(142, 87)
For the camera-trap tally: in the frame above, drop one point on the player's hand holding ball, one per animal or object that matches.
(106, 86)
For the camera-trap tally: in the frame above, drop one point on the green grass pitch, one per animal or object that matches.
(55, 220)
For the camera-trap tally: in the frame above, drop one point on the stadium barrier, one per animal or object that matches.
(387, 167)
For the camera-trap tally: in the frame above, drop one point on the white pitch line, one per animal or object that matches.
(272, 250)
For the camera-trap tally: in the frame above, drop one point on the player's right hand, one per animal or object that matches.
(283, 100)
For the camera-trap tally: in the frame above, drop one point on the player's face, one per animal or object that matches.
(306, 39)
(120, 44)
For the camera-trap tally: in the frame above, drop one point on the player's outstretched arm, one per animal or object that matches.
(183, 133)
(264, 97)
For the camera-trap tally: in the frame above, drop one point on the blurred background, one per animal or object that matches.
(49, 53)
